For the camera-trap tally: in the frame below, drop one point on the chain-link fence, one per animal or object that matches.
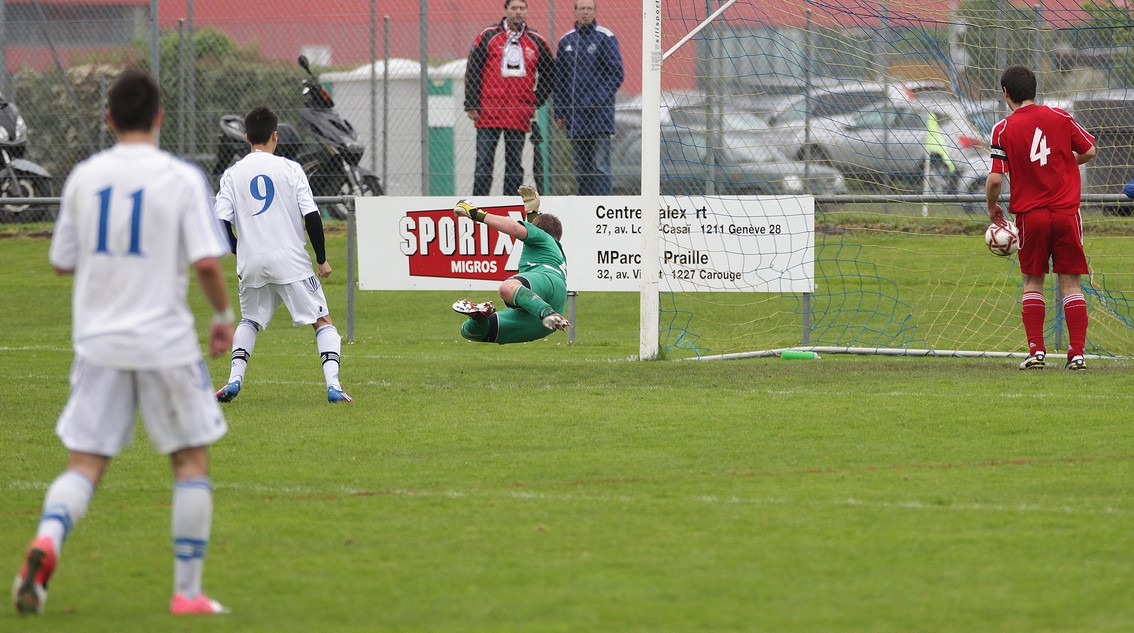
(828, 84)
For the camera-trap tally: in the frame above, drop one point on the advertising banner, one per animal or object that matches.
(745, 244)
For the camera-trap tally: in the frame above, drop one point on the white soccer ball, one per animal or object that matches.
(1002, 240)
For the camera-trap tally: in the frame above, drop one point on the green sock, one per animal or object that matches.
(474, 329)
(531, 303)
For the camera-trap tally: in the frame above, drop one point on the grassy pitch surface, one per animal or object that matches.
(547, 487)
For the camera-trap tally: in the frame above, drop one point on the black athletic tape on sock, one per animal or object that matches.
(493, 328)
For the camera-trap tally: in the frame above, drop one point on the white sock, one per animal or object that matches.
(329, 344)
(243, 341)
(192, 522)
(64, 504)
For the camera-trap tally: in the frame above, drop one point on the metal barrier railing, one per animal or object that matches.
(352, 247)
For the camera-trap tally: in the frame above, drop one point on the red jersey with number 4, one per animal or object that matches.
(1033, 146)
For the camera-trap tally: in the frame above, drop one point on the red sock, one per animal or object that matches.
(1075, 309)
(1033, 313)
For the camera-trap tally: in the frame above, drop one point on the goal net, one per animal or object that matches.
(881, 112)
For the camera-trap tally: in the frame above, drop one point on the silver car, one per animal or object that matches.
(697, 162)
(889, 143)
(792, 124)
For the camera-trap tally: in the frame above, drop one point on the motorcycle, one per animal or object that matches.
(19, 177)
(331, 161)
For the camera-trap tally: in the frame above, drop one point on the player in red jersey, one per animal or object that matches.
(1041, 148)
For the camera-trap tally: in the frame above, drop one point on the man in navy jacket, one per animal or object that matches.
(588, 72)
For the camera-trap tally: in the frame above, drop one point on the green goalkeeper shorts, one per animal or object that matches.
(513, 325)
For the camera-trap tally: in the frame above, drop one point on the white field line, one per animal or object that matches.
(801, 392)
(711, 500)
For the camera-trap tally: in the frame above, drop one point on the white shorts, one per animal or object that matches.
(304, 300)
(178, 406)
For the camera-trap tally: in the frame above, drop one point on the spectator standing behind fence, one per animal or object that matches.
(588, 73)
(508, 76)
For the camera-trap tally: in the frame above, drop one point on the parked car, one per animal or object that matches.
(1109, 116)
(730, 120)
(886, 142)
(742, 164)
(694, 109)
(837, 104)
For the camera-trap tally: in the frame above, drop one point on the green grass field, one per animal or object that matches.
(555, 488)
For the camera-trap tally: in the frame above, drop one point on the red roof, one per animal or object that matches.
(281, 28)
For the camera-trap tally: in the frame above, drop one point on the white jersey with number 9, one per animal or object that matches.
(265, 198)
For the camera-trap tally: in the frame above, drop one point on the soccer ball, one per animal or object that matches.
(1002, 240)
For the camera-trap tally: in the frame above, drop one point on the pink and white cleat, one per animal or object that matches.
(474, 310)
(555, 321)
(201, 605)
(29, 591)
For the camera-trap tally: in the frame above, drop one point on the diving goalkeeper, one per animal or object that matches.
(537, 294)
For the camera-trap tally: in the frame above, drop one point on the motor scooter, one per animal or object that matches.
(331, 159)
(19, 177)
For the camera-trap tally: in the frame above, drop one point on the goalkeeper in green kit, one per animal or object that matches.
(537, 294)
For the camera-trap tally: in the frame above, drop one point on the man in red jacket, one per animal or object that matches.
(508, 76)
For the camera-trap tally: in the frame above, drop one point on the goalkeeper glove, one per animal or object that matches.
(531, 201)
(467, 210)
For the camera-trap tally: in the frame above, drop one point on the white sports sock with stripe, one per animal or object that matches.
(192, 522)
(64, 504)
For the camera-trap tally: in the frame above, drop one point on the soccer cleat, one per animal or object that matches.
(555, 321)
(1076, 363)
(336, 395)
(531, 201)
(201, 605)
(29, 591)
(229, 392)
(475, 310)
(1035, 361)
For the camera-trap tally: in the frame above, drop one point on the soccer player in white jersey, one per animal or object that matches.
(132, 221)
(267, 199)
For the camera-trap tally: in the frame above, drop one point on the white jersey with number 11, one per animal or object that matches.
(132, 220)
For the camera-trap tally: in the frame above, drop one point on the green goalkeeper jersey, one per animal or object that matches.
(542, 253)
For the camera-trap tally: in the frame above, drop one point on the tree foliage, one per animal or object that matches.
(1112, 27)
(997, 33)
(64, 111)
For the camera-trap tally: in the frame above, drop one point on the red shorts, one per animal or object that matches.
(1056, 236)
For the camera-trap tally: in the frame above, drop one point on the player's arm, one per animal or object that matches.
(231, 233)
(501, 223)
(312, 219)
(1086, 156)
(65, 238)
(314, 224)
(992, 188)
(994, 184)
(224, 206)
(210, 276)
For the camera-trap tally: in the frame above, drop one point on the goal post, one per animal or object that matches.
(880, 118)
(651, 176)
